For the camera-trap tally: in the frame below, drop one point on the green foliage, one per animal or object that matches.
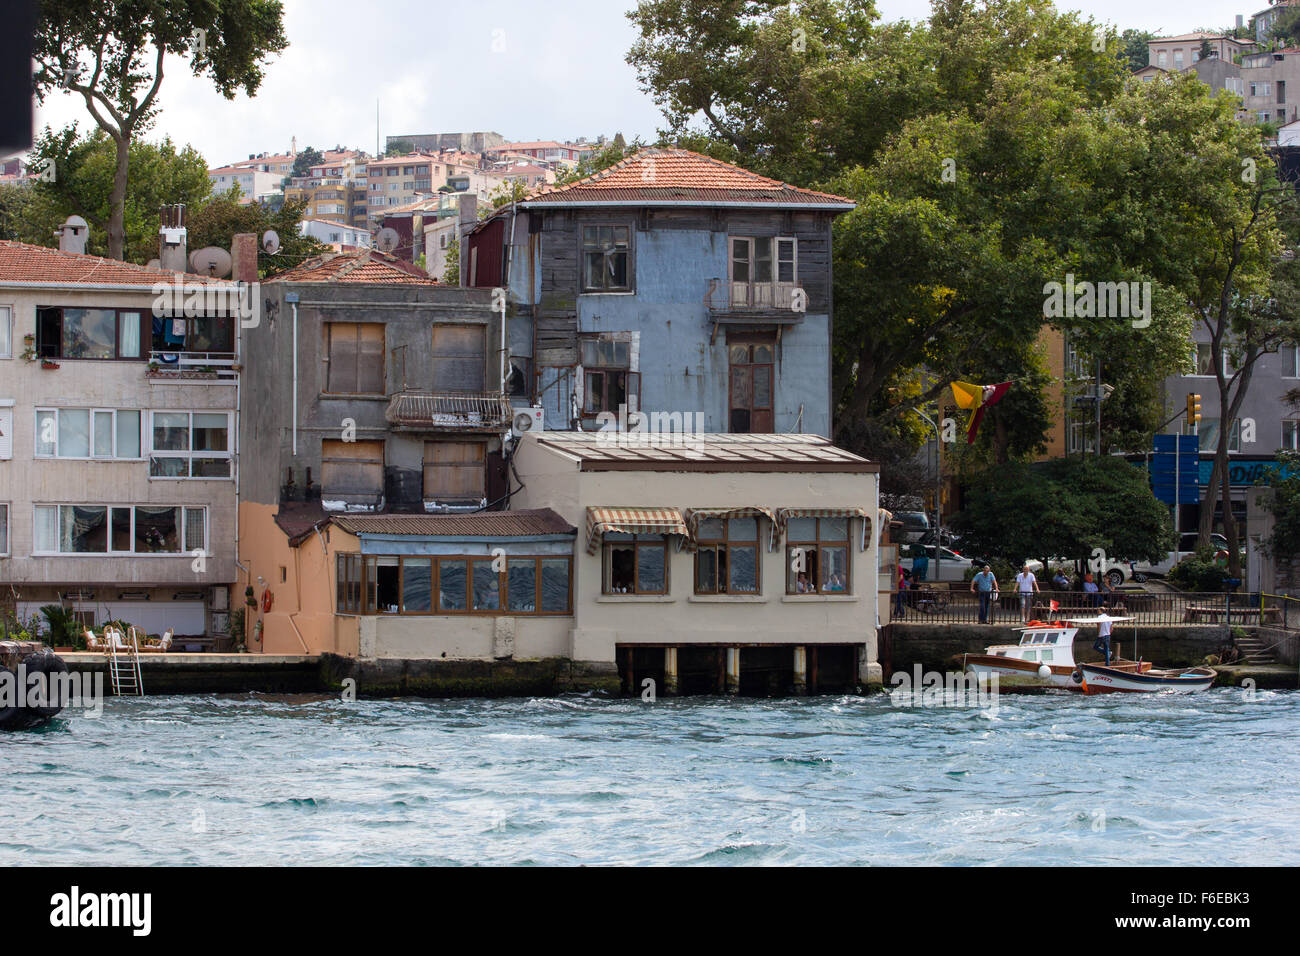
(64, 629)
(1132, 49)
(400, 147)
(1198, 572)
(1063, 508)
(15, 628)
(83, 185)
(1285, 31)
(1283, 502)
(451, 274)
(216, 222)
(110, 53)
(307, 157)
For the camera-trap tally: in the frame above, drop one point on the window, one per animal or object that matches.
(119, 529)
(88, 433)
(817, 556)
(459, 358)
(727, 561)
(635, 563)
(6, 332)
(1290, 361)
(608, 379)
(1291, 434)
(764, 272)
(751, 376)
(4, 528)
(190, 445)
(352, 473)
(1209, 435)
(455, 470)
(1260, 89)
(391, 584)
(1204, 359)
(354, 356)
(605, 258)
(1178, 59)
(209, 333)
(1162, 59)
(88, 333)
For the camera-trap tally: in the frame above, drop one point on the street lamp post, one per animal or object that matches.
(938, 490)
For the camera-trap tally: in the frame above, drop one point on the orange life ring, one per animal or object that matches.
(267, 600)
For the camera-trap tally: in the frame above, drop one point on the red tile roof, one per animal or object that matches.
(22, 262)
(656, 176)
(495, 524)
(369, 266)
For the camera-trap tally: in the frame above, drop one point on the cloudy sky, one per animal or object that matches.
(524, 69)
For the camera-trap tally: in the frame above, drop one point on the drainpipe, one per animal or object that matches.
(292, 299)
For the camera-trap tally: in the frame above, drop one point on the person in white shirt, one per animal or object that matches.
(1102, 646)
(1026, 585)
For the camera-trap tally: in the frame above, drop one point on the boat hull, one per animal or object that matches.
(1017, 673)
(1098, 679)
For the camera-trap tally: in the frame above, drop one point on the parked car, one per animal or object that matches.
(943, 536)
(951, 565)
(915, 525)
(1186, 548)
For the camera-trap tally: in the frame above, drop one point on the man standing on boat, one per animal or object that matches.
(1103, 637)
(1026, 586)
(985, 585)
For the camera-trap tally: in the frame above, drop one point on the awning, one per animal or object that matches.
(695, 515)
(633, 521)
(784, 515)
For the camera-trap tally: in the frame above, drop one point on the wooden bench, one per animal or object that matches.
(1199, 613)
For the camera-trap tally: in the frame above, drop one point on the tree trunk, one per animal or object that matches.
(117, 199)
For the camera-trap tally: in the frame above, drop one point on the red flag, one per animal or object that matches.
(992, 395)
(1056, 605)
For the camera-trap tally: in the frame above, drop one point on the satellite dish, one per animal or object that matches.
(211, 261)
(387, 239)
(270, 242)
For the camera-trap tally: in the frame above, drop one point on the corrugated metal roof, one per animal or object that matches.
(678, 451)
(495, 524)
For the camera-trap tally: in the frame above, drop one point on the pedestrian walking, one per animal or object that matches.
(1026, 587)
(1102, 645)
(900, 607)
(985, 585)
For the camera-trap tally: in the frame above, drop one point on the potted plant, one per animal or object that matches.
(49, 363)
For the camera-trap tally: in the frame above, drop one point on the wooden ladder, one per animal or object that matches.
(124, 668)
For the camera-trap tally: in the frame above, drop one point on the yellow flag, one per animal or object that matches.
(968, 396)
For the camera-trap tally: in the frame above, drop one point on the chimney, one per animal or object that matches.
(172, 254)
(468, 219)
(73, 235)
(243, 251)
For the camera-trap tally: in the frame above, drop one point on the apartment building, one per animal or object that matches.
(673, 283)
(339, 235)
(566, 154)
(1179, 52)
(118, 455)
(254, 184)
(1271, 85)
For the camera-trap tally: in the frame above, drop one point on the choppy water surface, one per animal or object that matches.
(1202, 779)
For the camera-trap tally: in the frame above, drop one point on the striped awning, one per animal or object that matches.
(784, 515)
(633, 521)
(695, 515)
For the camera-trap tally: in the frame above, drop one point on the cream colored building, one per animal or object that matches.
(118, 458)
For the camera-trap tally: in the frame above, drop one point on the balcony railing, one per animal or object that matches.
(193, 366)
(456, 411)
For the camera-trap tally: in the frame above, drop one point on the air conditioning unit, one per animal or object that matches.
(527, 420)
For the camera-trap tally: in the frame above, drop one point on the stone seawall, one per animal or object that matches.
(439, 678)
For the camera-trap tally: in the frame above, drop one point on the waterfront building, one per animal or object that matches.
(118, 454)
(669, 282)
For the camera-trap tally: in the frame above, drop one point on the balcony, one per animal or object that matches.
(448, 411)
(192, 367)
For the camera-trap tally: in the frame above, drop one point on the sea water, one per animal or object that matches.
(1208, 778)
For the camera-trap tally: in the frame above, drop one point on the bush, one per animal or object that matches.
(1198, 572)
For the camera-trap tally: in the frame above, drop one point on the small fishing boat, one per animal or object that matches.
(1043, 658)
(1100, 679)
(24, 664)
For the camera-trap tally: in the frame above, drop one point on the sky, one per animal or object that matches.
(518, 67)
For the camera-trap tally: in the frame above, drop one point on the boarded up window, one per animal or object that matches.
(352, 471)
(459, 357)
(355, 358)
(454, 469)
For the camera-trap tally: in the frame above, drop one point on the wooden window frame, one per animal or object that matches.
(327, 361)
(638, 542)
(326, 459)
(724, 544)
(775, 286)
(353, 569)
(480, 465)
(435, 355)
(750, 342)
(142, 315)
(816, 545)
(629, 253)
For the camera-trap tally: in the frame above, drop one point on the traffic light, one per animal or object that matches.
(1193, 409)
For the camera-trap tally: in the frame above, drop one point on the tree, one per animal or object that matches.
(1064, 508)
(84, 184)
(451, 274)
(216, 222)
(307, 157)
(1283, 502)
(1133, 50)
(111, 54)
(399, 147)
(1286, 28)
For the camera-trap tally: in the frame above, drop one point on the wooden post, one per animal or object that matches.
(670, 671)
(733, 670)
(631, 672)
(812, 671)
(800, 670)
